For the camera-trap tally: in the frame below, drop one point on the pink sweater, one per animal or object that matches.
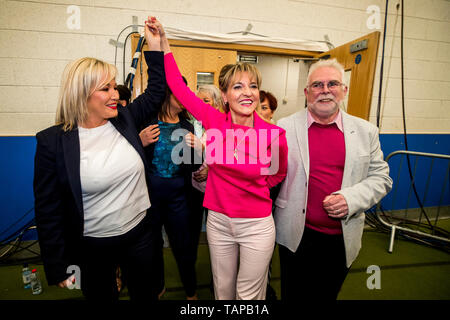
(326, 169)
(235, 187)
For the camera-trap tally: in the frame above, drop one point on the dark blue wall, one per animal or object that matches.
(431, 191)
(16, 174)
(16, 187)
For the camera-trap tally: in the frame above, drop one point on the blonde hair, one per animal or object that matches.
(79, 80)
(215, 95)
(228, 74)
(331, 63)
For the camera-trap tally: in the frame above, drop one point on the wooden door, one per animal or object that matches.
(362, 64)
(200, 60)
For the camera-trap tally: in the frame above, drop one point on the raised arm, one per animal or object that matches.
(149, 102)
(201, 111)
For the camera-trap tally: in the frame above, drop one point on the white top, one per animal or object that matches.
(113, 186)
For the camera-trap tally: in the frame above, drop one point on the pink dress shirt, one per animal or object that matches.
(237, 186)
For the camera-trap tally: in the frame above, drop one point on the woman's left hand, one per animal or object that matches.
(193, 142)
(152, 34)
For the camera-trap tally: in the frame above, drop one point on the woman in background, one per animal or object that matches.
(240, 227)
(210, 94)
(91, 181)
(267, 106)
(171, 188)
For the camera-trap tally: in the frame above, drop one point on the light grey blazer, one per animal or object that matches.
(365, 181)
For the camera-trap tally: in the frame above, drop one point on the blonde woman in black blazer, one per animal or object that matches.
(72, 230)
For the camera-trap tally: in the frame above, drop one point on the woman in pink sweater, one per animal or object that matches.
(246, 156)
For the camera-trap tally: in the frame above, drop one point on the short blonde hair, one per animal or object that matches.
(331, 63)
(214, 92)
(79, 80)
(229, 71)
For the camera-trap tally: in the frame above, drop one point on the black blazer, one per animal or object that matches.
(57, 187)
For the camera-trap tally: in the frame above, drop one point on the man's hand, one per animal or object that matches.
(149, 135)
(335, 205)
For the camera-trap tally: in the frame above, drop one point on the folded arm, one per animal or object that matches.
(373, 187)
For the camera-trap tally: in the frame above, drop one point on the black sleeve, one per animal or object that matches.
(48, 210)
(149, 102)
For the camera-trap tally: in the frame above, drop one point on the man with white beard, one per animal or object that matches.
(335, 172)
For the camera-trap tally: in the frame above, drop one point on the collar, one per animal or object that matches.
(337, 119)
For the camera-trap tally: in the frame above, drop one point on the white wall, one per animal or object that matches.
(281, 76)
(36, 43)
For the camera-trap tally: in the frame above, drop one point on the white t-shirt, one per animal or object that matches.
(114, 190)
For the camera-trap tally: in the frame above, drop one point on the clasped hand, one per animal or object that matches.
(335, 205)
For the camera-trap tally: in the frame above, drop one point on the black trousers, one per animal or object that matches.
(197, 213)
(316, 271)
(170, 208)
(135, 252)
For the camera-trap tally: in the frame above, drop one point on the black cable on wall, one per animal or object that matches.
(382, 66)
(404, 115)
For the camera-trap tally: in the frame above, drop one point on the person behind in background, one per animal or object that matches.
(171, 188)
(124, 95)
(335, 172)
(240, 228)
(211, 95)
(91, 181)
(268, 105)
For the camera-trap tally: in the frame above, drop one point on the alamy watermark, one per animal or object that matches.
(250, 147)
(73, 22)
(374, 20)
(374, 281)
(75, 277)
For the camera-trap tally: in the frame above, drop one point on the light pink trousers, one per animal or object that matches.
(240, 250)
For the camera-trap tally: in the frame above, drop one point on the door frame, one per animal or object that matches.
(362, 72)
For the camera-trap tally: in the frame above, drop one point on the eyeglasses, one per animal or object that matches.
(332, 85)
